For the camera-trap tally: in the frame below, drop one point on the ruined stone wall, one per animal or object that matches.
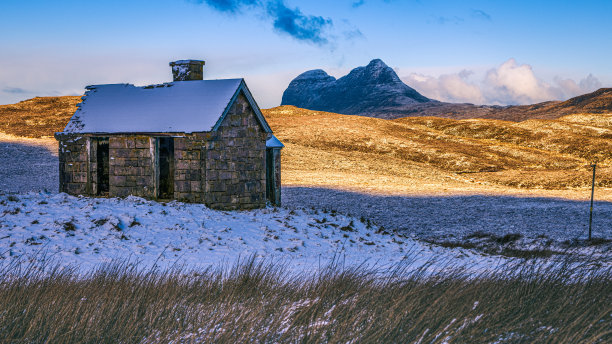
(73, 164)
(189, 167)
(235, 161)
(132, 166)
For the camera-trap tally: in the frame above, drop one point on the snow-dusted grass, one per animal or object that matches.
(258, 303)
(86, 232)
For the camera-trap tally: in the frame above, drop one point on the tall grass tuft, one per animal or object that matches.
(257, 301)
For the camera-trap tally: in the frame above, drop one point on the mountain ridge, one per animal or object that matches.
(364, 90)
(375, 90)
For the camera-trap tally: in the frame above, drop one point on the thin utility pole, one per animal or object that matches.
(592, 194)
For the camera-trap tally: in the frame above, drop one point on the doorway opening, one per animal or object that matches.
(273, 187)
(103, 167)
(270, 175)
(165, 167)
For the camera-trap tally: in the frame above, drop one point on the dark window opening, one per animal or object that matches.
(165, 154)
(102, 160)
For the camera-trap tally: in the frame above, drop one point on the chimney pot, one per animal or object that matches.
(187, 70)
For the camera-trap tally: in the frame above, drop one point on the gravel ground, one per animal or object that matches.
(540, 222)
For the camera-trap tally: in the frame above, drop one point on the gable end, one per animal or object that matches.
(245, 90)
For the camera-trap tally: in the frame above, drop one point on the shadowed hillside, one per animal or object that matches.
(438, 152)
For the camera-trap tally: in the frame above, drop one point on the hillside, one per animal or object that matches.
(599, 101)
(429, 153)
(37, 117)
(413, 154)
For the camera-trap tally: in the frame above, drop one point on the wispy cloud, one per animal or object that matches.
(353, 34)
(480, 14)
(231, 6)
(449, 20)
(285, 20)
(350, 31)
(358, 3)
(299, 26)
(458, 19)
(15, 90)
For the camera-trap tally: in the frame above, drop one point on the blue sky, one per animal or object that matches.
(493, 52)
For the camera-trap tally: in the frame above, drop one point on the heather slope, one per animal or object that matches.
(427, 152)
(37, 117)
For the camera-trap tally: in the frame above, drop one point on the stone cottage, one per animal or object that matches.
(191, 140)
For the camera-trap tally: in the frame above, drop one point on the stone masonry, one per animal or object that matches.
(132, 166)
(235, 160)
(189, 167)
(73, 166)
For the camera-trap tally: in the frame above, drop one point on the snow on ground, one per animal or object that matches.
(87, 232)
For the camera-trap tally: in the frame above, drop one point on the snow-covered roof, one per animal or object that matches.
(273, 142)
(181, 106)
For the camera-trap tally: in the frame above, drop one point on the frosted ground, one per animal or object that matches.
(45, 228)
(487, 222)
(87, 232)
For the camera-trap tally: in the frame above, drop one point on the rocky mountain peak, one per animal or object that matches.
(315, 74)
(376, 72)
(368, 90)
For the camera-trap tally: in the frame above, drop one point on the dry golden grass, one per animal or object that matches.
(37, 117)
(257, 302)
(437, 155)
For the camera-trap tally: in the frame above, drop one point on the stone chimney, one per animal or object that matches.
(187, 70)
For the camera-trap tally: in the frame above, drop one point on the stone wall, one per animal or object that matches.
(189, 167)
(235, 161)
(132, 166)
(73, 164)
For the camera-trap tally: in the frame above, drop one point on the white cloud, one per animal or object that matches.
(447, 87)
(512, 83)
(589, 84)
(509, 83)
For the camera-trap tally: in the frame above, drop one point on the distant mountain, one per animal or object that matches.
(370, 91)
(376, 91)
